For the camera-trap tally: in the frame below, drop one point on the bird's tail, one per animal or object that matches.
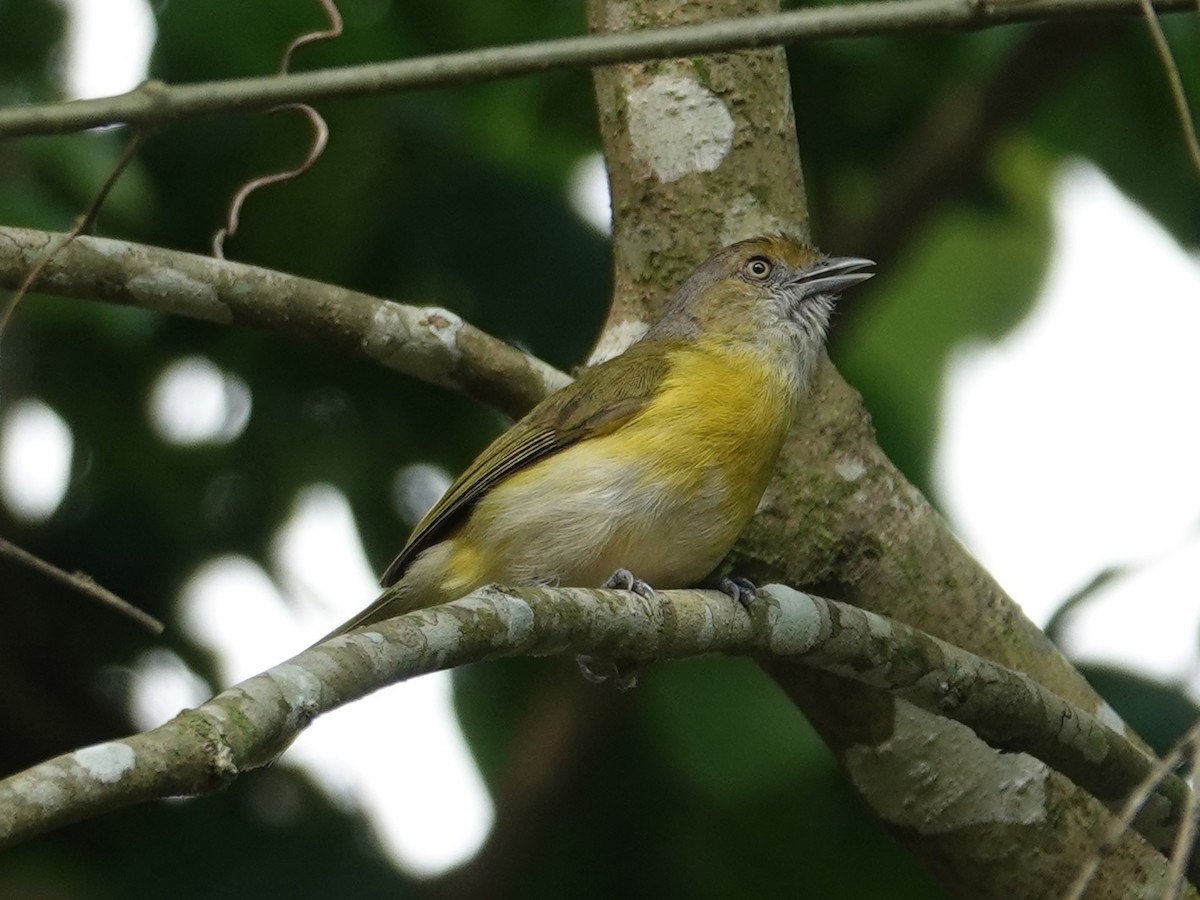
(394, 601)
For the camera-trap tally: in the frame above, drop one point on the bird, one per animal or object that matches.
(644, 470)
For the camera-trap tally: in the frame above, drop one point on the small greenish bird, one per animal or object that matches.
(647, 467)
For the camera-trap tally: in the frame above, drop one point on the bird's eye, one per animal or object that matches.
(758, 268)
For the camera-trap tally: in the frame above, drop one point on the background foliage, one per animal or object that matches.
(705, 783)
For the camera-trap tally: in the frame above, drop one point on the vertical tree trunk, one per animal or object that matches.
(702, 152)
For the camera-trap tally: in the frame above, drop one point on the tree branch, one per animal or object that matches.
(427, 342)
(247, 725)
(155, 102)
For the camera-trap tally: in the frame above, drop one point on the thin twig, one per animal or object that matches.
(1182, 107)
(1137, 798)
(320, 133)
(83, 224)
(334, 30)
(82, 583)
(320, 138)
(155, 101)
(1185, 837)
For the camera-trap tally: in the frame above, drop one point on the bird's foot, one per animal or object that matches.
(740, 589)
(621, 674)
(624, 580)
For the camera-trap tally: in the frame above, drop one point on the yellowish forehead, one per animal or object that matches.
(782, 247)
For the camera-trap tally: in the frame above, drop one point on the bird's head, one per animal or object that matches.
(772, 291)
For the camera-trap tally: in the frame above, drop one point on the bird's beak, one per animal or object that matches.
(833, 275)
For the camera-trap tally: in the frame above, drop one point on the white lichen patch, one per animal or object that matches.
(38, 791)
(617, 338)
(435, 636)
(443, 325)
(850, 469)
(520, 620)
(299, 687)
(389, 330)
(172, 291)
(1085, 737)
(907, 500)
(106, 762)
(371, 644)
(935, 775)
(417, 341)
(513, 610)
(794, 618)
(677, 127)
(106, 247)
(746, 218)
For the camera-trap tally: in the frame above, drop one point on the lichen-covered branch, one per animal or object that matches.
(155, 102)
(429, 343)
(247, 725)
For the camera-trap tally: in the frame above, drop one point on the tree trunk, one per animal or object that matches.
(702, 152)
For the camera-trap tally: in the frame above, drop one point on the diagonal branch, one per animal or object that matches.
(430, 343)
(249, 724)
(82, 583)
(156, 102)
(1175, 81)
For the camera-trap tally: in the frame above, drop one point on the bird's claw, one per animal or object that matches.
(623, 675)
(624, 580)
(740, 589)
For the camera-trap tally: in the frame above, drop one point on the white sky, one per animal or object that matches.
(1068, 446)
(108, 46)
(1073, 444)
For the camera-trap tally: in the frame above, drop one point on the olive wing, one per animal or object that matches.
(599, 401)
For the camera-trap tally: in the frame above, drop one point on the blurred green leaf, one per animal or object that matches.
(1118, 113)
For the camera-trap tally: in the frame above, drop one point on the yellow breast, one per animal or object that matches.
(664, 495)
(726, 409)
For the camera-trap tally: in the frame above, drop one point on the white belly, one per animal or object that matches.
(588, 513)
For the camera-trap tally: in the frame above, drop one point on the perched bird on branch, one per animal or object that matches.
(645, 469)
